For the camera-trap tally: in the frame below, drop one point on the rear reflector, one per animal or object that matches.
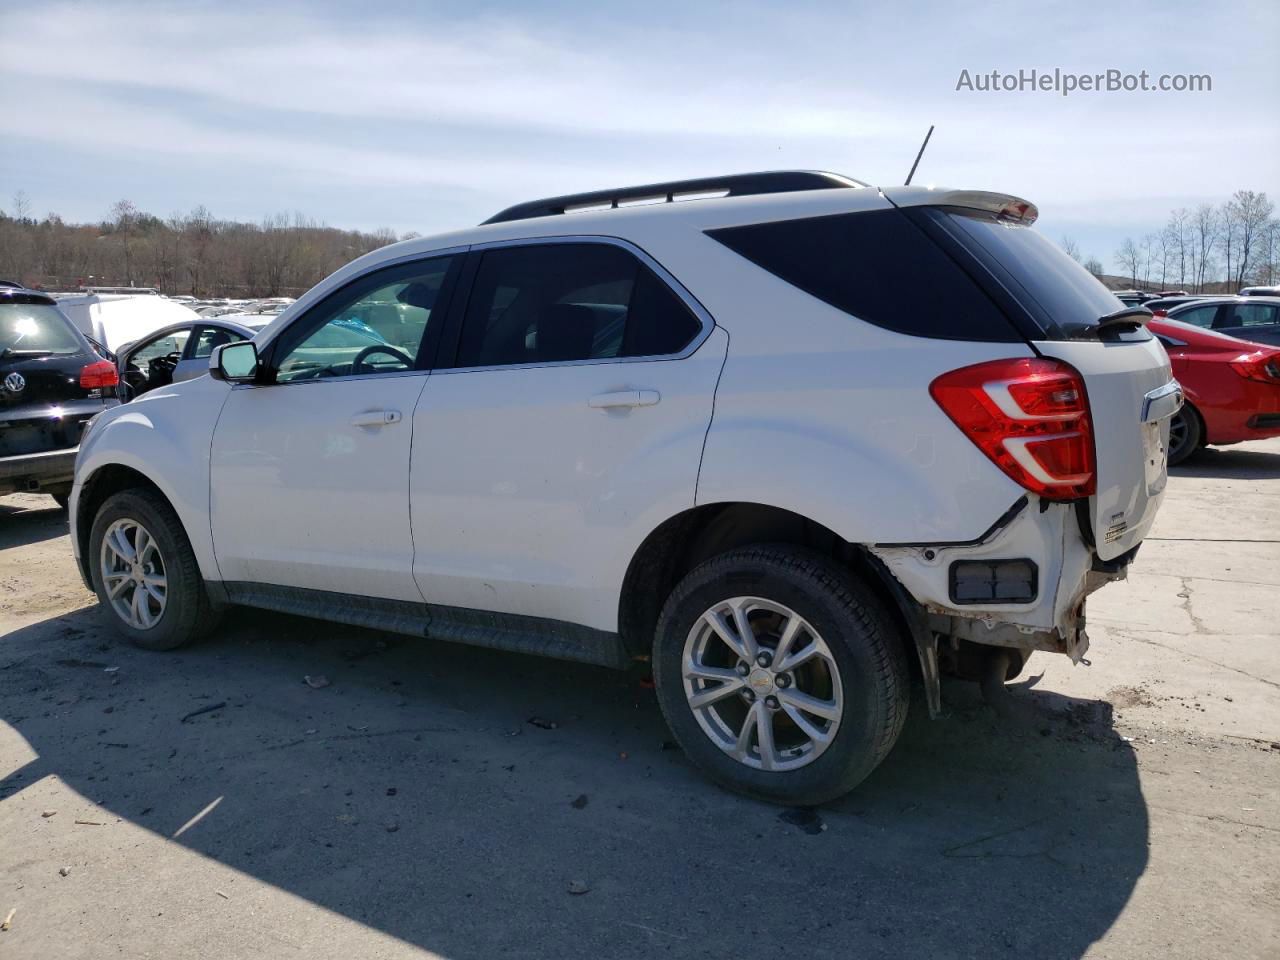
(100, 374)
(1031, 417)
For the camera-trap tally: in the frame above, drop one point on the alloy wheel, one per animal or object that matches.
(762, 684)
(133, 574)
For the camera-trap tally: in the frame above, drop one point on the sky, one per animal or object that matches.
(427, 116)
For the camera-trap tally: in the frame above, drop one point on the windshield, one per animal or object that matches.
(1065, 292)
(36, 328)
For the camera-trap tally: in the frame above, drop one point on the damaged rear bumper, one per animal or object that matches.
(1022, 585)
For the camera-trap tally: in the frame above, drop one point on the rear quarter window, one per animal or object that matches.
(878, 266)
(1061, 295)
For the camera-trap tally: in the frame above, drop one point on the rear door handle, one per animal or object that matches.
(624, 398)
(375, 418)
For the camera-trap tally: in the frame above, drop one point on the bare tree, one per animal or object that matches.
(21, 206)
(1249, 213)
(1130, 259)
(1270, 268)
(1204, 226)
(1148, 253)
(124, 218)
(1176, 232)
(1070, 248)
(1094, 266)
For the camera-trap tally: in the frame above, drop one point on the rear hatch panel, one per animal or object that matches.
(1068, 315)
(1131, 404)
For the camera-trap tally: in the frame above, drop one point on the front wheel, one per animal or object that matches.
(145, 573)
(779, 675)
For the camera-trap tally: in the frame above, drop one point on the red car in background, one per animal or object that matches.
(1232, 387)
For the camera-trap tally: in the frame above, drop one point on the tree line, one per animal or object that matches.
(1211, 249)
(193, 253)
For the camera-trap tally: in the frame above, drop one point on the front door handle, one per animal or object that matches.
(375, 418)
(624, 398)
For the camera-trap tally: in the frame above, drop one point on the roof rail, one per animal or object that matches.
(733, 185)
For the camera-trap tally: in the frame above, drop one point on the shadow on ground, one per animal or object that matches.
(1229, 464)
(31, 520)
(413, 795)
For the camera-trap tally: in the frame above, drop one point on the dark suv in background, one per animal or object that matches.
(52, 381)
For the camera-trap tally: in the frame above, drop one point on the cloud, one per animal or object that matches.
(477, 106)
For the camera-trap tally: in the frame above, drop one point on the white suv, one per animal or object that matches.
(789, 437)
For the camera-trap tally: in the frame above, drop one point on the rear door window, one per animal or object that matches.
(877, 266)
(564, 302)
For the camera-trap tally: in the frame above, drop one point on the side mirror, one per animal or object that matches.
(234, 362)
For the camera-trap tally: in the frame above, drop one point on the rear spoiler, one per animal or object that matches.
(1125, 319)
(1003, 205)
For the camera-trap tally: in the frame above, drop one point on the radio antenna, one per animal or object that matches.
(919, 155)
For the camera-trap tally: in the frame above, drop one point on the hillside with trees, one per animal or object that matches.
(194, 253)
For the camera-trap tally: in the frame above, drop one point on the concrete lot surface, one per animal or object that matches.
(409, 808)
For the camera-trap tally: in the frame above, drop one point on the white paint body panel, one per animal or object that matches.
(526, 499)
(164, 435)
(1132, 455)
(505, 490)
(301, 497)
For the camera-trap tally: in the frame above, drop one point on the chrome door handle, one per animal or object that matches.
(624, 398)
(375, 418)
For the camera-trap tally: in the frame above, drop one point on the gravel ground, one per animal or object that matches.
(410, 808)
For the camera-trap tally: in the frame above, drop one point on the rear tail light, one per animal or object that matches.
(1258, 366)
(1159, 313)
(99, 374)
(1031, 417)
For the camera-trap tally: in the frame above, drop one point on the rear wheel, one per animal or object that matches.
(145, 573)
(1185, 434)
(780, 676)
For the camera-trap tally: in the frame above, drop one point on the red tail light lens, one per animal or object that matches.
(1031, 417)
(1258, 366)
(1159, 313)
(100, 374)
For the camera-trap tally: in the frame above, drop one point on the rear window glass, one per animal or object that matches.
(1064, 292)
(877, 266)
(35, 328)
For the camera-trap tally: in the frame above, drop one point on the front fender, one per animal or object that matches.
(165, 435)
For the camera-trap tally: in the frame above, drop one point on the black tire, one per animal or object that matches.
(1185, 434)
(864, 643)
(63, 500)
(187, 613)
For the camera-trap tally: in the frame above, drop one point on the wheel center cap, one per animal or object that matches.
(761, 681)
